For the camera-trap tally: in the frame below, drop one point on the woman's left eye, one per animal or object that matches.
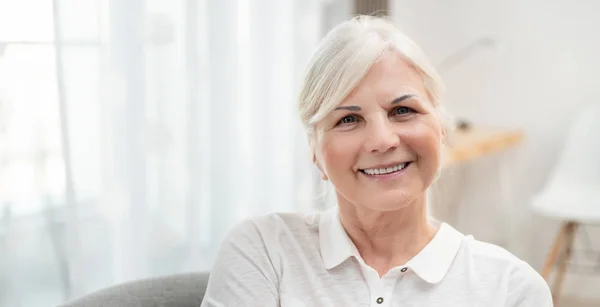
(402, 110)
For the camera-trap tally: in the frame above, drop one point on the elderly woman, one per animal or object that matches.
(371, 105)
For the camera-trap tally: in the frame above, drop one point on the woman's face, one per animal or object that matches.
(381, 146)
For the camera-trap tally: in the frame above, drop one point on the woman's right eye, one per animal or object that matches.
(346, 120)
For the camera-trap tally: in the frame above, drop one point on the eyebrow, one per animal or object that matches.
(349, 108)
(395, 101)
(402, 98)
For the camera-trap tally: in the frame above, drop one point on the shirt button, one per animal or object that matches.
(380, 300)
(403, 270)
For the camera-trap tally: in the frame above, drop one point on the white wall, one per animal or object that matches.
(543, 68)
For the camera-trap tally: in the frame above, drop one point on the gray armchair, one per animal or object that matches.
(182, 290)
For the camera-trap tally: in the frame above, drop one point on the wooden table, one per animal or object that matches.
(475, 142)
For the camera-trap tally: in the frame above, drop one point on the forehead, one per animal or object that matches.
(390, 76)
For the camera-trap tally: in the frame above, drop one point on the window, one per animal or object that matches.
(31, 161)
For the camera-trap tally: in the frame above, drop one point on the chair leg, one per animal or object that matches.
(570, 237)
(552, 255)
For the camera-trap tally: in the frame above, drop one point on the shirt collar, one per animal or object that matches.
(434, 261)
(335, 244)
(431, 264)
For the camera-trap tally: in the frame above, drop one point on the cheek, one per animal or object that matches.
(425, 139)
(338, 154)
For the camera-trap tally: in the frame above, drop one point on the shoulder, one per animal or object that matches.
(270, 229)
(253, 255)
(489, 253)
(524, 283)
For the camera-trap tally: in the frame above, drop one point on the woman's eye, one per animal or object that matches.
(350, 119)
(402, 110)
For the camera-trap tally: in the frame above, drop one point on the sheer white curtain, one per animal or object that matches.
(177, 120)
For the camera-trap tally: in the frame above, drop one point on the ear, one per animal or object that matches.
(321, 170)
(443, 131)
(444, 136)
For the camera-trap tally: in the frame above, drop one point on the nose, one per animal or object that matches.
(381, 137)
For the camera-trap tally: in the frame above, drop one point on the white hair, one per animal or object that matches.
(345, 56)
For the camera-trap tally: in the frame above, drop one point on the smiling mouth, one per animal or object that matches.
(386, 170)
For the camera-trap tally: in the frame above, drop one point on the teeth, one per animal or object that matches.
(381, 171)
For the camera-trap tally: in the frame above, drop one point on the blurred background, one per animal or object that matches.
(135, 133)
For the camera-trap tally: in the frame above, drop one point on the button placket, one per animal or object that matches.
(376, 286)
(388, 283)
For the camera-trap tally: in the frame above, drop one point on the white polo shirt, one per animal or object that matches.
(290, 260)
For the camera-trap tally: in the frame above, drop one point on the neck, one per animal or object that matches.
(387, 239)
